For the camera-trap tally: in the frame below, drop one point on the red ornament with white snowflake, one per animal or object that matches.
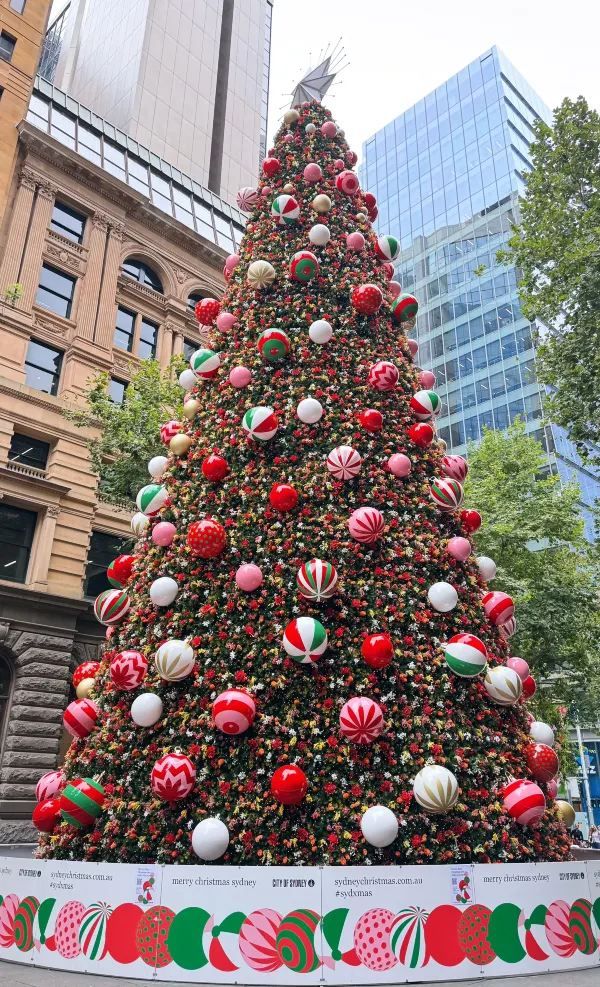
(173, 777)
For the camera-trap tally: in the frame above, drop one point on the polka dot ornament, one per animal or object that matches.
(152, 936)
(372, 942)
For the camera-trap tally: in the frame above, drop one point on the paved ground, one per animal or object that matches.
(14, 975)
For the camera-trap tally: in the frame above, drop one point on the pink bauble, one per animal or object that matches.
(80, 717)
(128, 669)
(459, 548)
(49, 785)
(233, 712)
(312, 172)
(232, 262)
(455, 467)
(520, 666)
(173, 777)
(498, 607)
(66, 930)
(328, 129)
(339, 164)
(163, 533)
(399, 464)
(372, 939)
(355, 241)
(361, 720)
(258, 940)
(552, 788)
(240, 377)
(366, 525)
(249, 577)
(225, 321)
(559, 930)
(427, 379)
(394, 288)
(8, 910)
(413, 347)
(524, 801)
(265, 191)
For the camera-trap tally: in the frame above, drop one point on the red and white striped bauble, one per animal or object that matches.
(455, 467)
(383, 375)
(258, 940)
(446, 494)
(128, 669)
(361, 720)
(524, 801)
(508, 628)
(234, 712)
(49, 785)
(80, 717)
(173, 777)
(366, 525)
(498, 607)
(344, 462)
(317, 580)
(169, 430)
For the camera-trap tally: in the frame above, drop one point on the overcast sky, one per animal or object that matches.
(399, 51)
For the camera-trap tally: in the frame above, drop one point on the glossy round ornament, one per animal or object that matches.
(226, 321)
(50, 784)
(80, 718)
(487, 568)
(366, 299)
(180, 444)
(321, 203)
(46, 814)
(421, 434)
(240, 377)
(366, 525)
(459, 548)
(347, 182)
(234, 712)
(404, 308)
(285, 210)
(446, 494)
(520, 666)
(319, 235)
(173, 777)
(304, 266)
(387, 248)
(361, 720)
(435, 788)
(152, 498)
(210, 838)
(344, 463)
(146, 709)
(442, 597)
(271, 166)
(289, 784)
(205, 363)
(529, 687)
(157, 466)
(139, 524)
(84, 689)
(309, 411)
(371, 420)
(565, 812)
(206, 311)
(317, 580)
(508, 629)
(471, 521)
(542, 761)
(86, 670)
(524, 801)
(312, 172)
(541, 733)
(379, 826)
(466, 655)
(260, 423)
(305, 640)
(384, 375)
(82, 802)
(247, 199)
(395, 289)
(498, 607)
(249, 577)
(320, 331)
(455, 467)
(425, 404)
(111, 606)
(283, 497)
(207, 539)
(163, 591)
(355, 241)
(503, 685)
(273, 345)
(427, 380)
(377, 649)
(215, 468)
(174, 660)
(260, 274)
(187, 379)
(128, 670)
(163, 533)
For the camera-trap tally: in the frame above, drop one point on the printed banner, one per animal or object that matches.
(300, 925)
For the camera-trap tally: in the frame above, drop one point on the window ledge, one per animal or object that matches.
(32, 472)
(76, 248)
(141, 290)
(58, 250)
(34, 476)
(51, 323)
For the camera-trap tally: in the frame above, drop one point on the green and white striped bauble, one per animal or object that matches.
(92, 930)
(260, 423)
(465, 655)
(151, 498)
(205, 363)
(425, 404)
(305, 640)
(388, 248)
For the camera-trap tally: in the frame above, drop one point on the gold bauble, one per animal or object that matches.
(180, 444)
(291, 116)
(260, 273)
(84, 688)
(288, 187)
(442, 444)
(321, 203)
(565, 812)
(361, 217)
(191, 408)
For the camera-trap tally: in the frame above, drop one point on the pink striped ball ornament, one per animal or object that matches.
(361, 720)
(128, 670)
(383, 375)
(234, 712)
(366, 525)
(49, 785)
(344, 463)
(173, 777)
(80, 717)
(455, 467)
(498, 607)
(524, 801)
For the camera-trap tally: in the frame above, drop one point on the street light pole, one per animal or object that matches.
(584, 772)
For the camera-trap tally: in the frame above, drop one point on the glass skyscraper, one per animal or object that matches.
(447, 174)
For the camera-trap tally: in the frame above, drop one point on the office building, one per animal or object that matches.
(22, 29)
(110, 247)
(447, 174)
(189, 81)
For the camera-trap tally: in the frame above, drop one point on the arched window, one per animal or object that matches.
(142, 273)
(5, 685)
(196, 296)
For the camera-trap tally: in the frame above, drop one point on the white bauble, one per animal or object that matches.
(503, 685)
(157, 466)
(435, 788)
(174, 660)
(291, 116)
(487, 567)
(163, 591)
(319, 235)
(542, 733)
(310, 128)
(139, 523)
(146, 710)
(379, 826)
(442, 597)
(187, 379)
(309, 411)
(210, 838)
(320, 331)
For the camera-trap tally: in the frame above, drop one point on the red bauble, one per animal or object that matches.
(378, 650)
(271, 166)
(371, 420)
(542, 761)
(128, 669)
(283, 497)
(206, 538)
(388, 270)
(366, 298)
(215, 468)
(206, 311)
(46, 814)
(87, 670)
(173, 777)
(421, 434)
(289, 784)
(529, 687)
(471, 520)
(119, 571)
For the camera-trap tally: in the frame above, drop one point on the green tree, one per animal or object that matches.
(126, 436)
(533, 530)
(557, 249)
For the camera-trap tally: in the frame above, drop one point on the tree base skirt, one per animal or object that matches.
(300, 925)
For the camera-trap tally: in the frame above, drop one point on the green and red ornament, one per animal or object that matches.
(93, 930)
(408, 937)
(425, 404)
(580, 926)
(317, 580)
(387, 248)
(274, 345)
(260, 423)
(446, 494)
(295, 942)
(111, 606)
(23, 925)
(404, 308)
(304, 266)
(82, 802)
(205, 363)
(466, 655)
(152, 498)
(119, 571)
(285, 210)
(305, 640)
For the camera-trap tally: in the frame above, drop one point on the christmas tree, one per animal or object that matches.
(305, 662)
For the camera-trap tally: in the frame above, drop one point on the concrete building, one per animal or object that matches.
(22, 29)
(112, 246)
(189, 80)
(447, 174)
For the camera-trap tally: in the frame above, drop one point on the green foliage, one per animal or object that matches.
(126, 436)
(13, 293)
(557, 249)
(533, 531)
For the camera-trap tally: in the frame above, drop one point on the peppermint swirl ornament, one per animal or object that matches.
(366, 525)
(446, 494)
(466, 655)
(247, 199)
(260, 423)
(425, 404)
(285, 210)
(344, 463)
(317, 580)
(361, 720)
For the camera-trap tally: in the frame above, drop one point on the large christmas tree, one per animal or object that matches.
(312, 667)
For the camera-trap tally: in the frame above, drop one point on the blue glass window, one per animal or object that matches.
(468, 395)
(472, 429)
(494, 353)
(482, 389)
(476, 327)
(501, 416)
(516, 409)
(513, 378)
(479, 358)
(457, 433)
(486, 420)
